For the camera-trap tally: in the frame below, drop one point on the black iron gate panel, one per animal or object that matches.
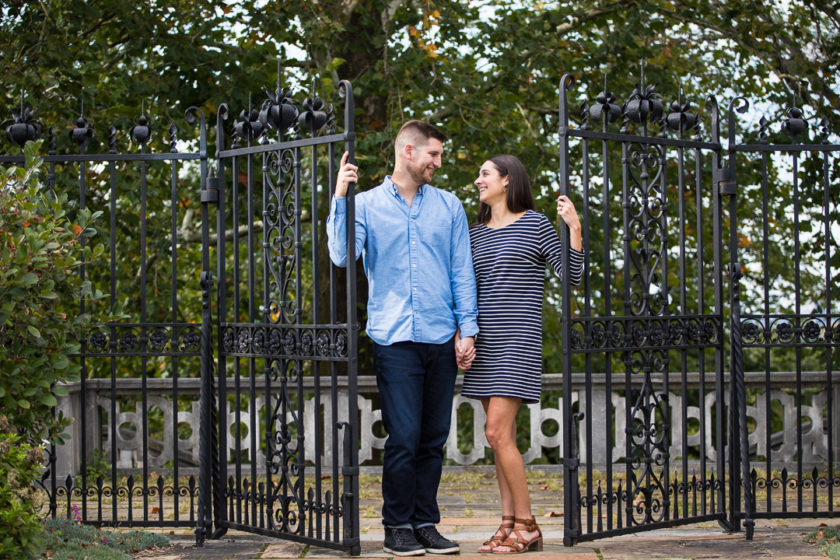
(288, 447)
(785, 203)
(649, 317)
(129, 459)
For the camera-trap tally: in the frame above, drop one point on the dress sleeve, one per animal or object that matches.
(552, 250)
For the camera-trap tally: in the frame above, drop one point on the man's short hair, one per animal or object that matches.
(417, 133)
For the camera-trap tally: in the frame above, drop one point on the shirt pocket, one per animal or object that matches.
(436, 237)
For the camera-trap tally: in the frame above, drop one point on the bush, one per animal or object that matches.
(20, 464)
(40, 254)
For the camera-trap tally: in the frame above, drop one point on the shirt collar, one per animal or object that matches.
(393, 188)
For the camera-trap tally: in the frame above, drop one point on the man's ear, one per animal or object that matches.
(408, 152)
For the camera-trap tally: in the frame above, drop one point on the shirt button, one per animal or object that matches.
(414, 265)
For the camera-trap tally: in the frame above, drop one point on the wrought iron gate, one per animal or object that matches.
(653, 316)
(286, 325)
(785, 314)
(672, 259)
(262, 353)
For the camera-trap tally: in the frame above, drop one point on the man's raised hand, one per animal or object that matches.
(347, 173)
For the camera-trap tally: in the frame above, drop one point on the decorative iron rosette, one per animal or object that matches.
(190, 339)
(812, 329)
(751, 331)
(323, 343)
(782, 330)
(128, 341)
(159, 339)
(98, 341)
(229, 339)
(341, 344)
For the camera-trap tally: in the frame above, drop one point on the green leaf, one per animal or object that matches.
(29, 279)
(60, 391)
(33, 331)
(23, 403)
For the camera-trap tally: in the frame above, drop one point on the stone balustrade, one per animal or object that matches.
(542, 431)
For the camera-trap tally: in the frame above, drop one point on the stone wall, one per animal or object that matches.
(542, 430)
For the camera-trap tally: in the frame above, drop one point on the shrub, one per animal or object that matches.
(20, 464)
(40, 254)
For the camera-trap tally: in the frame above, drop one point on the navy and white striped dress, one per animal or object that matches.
(510, 275)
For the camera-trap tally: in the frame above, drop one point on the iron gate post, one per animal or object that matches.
(571, 491)
(350, 471)
(207, 423)
(220, 427)
(739, 437)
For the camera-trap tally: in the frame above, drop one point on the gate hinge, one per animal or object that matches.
(725, 179)
(211, 193)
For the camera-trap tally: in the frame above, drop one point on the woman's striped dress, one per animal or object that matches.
(510, 274)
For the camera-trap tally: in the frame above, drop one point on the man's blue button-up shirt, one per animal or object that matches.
(417, 259)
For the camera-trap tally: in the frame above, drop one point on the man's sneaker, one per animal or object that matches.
(433, 542)
(401, 542)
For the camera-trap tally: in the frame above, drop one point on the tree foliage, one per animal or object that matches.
(487, 72)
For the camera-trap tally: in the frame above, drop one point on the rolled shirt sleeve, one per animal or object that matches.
(337, 230)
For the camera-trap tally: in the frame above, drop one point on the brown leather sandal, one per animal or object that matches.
(516, 543)
(505, 528)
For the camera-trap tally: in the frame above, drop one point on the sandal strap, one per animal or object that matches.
(497, 539)
(530, 524)
(518, 544)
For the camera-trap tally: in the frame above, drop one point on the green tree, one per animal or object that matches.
(487, 72)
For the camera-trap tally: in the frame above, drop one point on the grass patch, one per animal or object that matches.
(828, 541)
(66, 539)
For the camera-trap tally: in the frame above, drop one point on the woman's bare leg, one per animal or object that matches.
(501, 434)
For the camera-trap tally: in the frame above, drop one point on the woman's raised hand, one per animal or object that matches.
(347, 173)
(566, 211)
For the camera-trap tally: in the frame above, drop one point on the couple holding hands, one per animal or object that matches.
(443, 295)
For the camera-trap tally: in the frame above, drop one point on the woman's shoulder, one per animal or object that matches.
(537, 218)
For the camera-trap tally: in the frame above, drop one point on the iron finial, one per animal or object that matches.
(605, 110)
(82, 133)
(24, 126)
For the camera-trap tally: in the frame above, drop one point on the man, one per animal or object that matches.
(417, 258)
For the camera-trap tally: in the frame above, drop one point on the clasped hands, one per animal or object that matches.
(464, 350)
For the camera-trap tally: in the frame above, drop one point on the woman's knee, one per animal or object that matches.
(498, 434)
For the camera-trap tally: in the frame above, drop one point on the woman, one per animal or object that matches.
(511, 244)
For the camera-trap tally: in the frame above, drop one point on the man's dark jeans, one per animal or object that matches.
(416, 383)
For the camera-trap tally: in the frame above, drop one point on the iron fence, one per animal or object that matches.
(243, 411)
